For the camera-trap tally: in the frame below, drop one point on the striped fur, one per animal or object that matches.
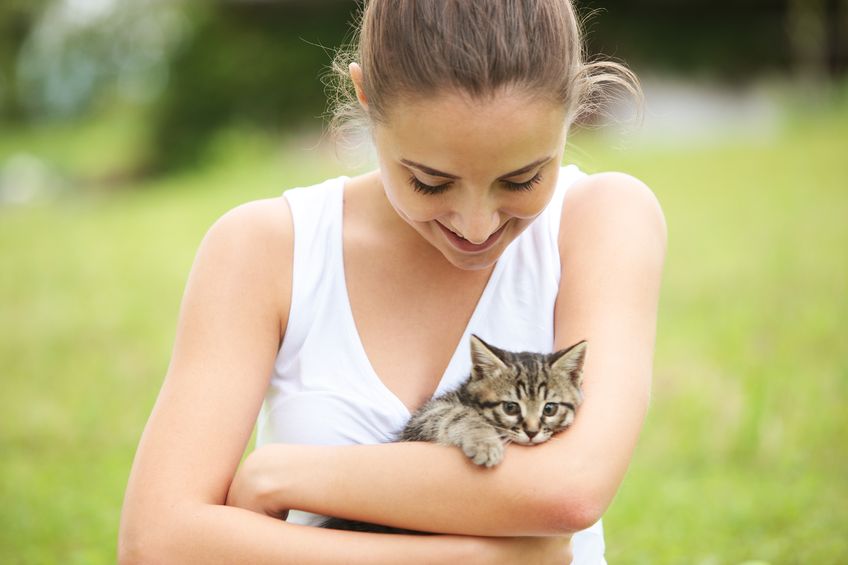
(523, 398)
(514, 397)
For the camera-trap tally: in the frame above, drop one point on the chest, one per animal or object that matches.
(410, 316)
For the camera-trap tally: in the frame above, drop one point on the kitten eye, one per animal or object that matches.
(511, 408)
(550, 408)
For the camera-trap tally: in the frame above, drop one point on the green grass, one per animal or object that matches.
(743, 457)
(744, 454)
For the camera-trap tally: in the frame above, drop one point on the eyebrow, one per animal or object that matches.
(436, 173)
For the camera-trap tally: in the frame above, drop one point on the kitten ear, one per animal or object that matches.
(484, 357)
(570, 361)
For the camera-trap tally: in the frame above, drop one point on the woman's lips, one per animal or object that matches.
(466, 246)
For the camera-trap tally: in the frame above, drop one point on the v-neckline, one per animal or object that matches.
(362, 358)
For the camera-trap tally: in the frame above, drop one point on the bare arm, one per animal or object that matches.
(233, 315)
(613, 247)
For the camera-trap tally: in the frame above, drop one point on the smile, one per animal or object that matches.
(466, 246)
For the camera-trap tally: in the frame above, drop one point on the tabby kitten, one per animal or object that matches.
(509, 397)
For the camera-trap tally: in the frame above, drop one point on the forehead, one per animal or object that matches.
(461, 134)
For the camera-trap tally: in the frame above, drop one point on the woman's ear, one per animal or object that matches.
(356, 77)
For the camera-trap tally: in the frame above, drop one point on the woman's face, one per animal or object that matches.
(470, 176)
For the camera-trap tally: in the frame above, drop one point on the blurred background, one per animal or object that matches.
(128, 126)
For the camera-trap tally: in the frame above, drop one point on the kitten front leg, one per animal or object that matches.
(447, 422)
(479, 441)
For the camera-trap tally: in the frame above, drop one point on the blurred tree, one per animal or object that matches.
(17, 17)
(727, 42)
(206, 65)
(247, 62)
(734, 42)
(839, 39)
(808, 39)
(81, 51)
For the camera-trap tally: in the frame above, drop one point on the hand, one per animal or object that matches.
(532, 550)
(255, 485)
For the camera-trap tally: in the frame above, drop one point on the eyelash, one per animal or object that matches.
(423, 188)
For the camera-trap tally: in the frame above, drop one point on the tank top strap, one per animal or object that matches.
(568, 175)
(316, 213)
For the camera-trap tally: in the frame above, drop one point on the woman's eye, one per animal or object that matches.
(511, 408)
(528, 185)
(424, 188)
(550, 409)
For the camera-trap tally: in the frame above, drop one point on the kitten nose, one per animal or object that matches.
(530, 434)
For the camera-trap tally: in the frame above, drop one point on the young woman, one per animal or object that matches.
(345, 305)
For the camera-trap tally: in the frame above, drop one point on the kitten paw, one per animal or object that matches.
(488, 452)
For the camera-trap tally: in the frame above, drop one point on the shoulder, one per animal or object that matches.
(608, 212)
(258, 232)
(262, 222)
(249, 252)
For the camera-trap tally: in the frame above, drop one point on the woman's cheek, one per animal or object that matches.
(528, 206)
(423, 212)
(408, 205)
(412, 205)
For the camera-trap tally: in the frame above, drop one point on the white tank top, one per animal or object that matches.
(323, 389)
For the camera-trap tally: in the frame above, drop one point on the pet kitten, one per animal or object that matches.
(509, 397)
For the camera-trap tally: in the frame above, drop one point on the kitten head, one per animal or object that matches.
(528, 396)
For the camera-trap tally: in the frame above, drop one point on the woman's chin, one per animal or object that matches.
(472, 264)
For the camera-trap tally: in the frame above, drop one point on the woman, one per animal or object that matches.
(346, 305)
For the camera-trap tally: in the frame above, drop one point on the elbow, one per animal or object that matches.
(133, 550)
(575, 516)
(570, 513)
(133, 555)
(141, 543)
(155, 546)
(562, 503)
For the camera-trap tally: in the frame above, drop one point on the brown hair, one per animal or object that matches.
(417, 48)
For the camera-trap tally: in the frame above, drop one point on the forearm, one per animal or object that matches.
(426, 487)
(556, 488)
(222, 534)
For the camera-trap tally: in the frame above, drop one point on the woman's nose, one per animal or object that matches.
(477, 221)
